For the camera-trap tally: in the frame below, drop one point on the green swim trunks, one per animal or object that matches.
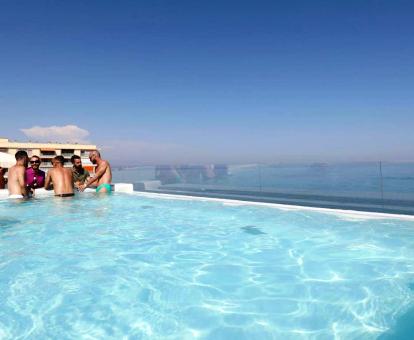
(104, 185)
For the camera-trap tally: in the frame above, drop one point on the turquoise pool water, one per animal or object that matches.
(139, 267)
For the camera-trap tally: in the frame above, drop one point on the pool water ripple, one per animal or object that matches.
(125, 265)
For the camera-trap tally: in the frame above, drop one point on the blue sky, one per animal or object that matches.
(212, 81)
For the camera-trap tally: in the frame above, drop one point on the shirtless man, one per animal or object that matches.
(103, 174)
(16, 184)
(60, 177)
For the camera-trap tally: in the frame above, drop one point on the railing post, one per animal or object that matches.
(381, 185)
(260, 177)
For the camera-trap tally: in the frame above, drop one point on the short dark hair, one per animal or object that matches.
(35, 157)
(59, 159)
(72, 159)
(20, 155)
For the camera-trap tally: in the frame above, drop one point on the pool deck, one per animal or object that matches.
(344, 214)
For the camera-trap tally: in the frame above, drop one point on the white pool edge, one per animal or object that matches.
(127, 188)
(351, 214)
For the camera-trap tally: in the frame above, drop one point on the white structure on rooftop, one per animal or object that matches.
(46, 151)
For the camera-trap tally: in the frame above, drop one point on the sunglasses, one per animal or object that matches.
(34, 162)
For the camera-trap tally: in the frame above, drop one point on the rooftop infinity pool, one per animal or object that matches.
(145, 267)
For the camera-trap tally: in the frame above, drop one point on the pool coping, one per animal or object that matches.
(349, 214)
(127, 188)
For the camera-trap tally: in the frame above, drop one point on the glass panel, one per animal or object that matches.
(356, 186)
(398, 186)
(133, 175)
(344, 186)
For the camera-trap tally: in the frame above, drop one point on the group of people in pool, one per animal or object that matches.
(23, 180)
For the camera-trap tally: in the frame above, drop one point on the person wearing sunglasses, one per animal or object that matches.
(35, 178)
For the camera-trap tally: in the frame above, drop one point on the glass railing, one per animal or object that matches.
(371, 186)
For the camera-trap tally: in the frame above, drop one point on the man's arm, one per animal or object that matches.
(21, 180)
(87, 176)
(98, 175)
(70, 175)
(48, 181)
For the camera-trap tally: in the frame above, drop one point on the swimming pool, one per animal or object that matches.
(150, 267)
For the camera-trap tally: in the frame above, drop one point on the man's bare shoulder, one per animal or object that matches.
(17, 168)
(103, 165)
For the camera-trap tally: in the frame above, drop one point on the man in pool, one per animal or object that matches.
(16, 183)
(60, 177)
(103, 174)
(80, 174)
(35, 178)
(2, 179)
